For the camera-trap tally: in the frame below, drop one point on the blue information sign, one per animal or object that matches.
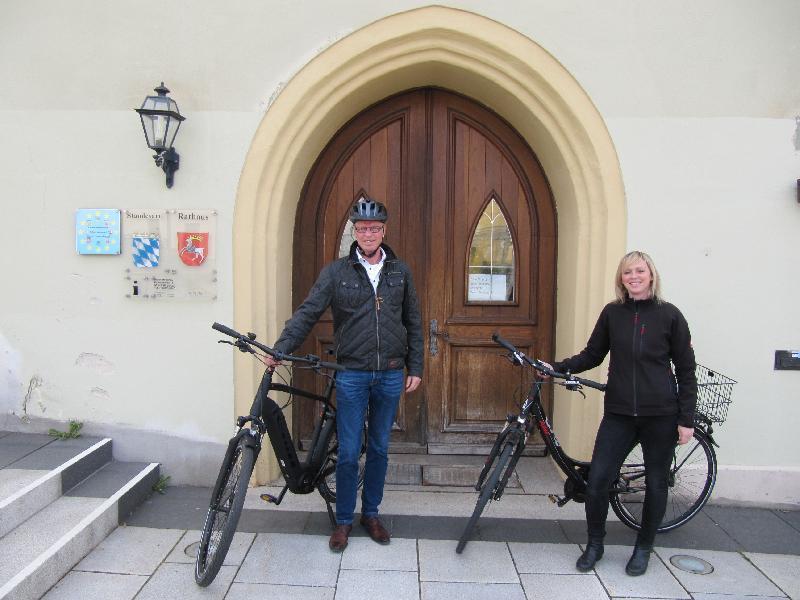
(97, 231)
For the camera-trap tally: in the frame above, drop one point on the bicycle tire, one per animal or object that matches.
(488, 492)
(498, 443)
(691, 480)
(327, 481)
(223, 513)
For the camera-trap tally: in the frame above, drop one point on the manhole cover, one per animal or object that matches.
(191, 550)
(691, 564)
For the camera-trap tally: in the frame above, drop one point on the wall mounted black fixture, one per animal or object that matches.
(161, 120)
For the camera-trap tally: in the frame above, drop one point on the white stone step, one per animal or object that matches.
(58, 500)
(40, 551)
(24, 492)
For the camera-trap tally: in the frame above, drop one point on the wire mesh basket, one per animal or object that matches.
(713, 394)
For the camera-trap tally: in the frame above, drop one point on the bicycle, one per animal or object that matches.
(692, 474)
(315, 472)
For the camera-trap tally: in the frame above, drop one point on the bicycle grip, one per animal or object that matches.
(226, 330)
(496, 338)
(583, 382)
(592, 384)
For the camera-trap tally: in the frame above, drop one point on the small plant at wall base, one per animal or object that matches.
(160, 486)
(73, 432)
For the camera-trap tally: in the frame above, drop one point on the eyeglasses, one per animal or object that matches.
(372, 229)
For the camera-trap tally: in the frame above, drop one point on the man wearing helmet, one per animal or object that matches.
(378, 333)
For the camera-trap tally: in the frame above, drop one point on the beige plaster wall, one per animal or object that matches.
(700, 100)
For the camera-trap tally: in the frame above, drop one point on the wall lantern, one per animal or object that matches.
(161, 120)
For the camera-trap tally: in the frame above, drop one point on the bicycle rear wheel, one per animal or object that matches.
(691, 480)
(223, 513)
(327, 482)
(488, 492)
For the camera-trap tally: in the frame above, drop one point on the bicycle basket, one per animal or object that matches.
(713, 394)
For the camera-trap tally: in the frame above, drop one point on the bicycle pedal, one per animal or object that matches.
(269, 498)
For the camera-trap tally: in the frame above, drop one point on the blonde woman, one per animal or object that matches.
(645, 400)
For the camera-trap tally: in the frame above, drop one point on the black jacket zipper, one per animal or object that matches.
(633, 357)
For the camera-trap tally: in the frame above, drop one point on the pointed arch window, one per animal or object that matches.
(491, 266)
(346, 240)
(347, 237)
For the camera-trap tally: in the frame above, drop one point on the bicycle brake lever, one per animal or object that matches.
(574, 386)
(242, 346)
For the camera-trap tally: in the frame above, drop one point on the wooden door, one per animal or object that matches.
(445, 167)
(492, 252)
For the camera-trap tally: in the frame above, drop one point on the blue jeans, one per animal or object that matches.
(355, 391)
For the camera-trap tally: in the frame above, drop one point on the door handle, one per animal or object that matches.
(433, 342)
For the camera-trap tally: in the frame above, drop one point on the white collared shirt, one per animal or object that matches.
(373, 271)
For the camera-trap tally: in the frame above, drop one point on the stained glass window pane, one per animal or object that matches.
(347, 239)
(491, 274)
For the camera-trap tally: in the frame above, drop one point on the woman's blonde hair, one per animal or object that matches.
(628, 260)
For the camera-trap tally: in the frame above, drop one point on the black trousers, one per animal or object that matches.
(615, 437)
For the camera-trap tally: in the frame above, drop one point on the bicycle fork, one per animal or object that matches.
(252, 438)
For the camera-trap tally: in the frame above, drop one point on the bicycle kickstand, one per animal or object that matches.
(331, 516)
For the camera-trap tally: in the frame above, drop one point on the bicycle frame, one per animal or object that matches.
(266, 418)
(576, 471)
(302, 477)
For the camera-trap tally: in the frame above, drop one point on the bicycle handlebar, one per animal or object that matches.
(226, 330)
(541, 367)
(249, 340)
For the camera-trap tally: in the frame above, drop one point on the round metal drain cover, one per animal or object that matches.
(191, 550)
(691, 564)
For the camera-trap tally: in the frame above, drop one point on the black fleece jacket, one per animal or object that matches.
(644, 337)
(372, 332)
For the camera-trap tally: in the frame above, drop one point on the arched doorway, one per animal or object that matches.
(472, 214)
(475, 56)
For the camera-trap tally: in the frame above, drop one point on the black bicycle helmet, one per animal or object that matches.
(366, 209)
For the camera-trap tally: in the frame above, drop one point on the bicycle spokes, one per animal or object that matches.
(691, 479)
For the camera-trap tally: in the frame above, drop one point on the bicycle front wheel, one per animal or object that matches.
(223, 513)
(691, 479)
(488, 492)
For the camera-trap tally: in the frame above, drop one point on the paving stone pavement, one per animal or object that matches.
(146, 563)
(524, 548)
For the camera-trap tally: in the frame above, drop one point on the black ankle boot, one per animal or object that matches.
(637, 565)
(593, 553)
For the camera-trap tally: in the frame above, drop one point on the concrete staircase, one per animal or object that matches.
(58, 500)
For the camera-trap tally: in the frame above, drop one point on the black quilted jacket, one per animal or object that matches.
(644, 337)
(372, 332)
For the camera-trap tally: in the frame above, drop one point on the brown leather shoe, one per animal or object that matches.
(338, 541)
(376, 530)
